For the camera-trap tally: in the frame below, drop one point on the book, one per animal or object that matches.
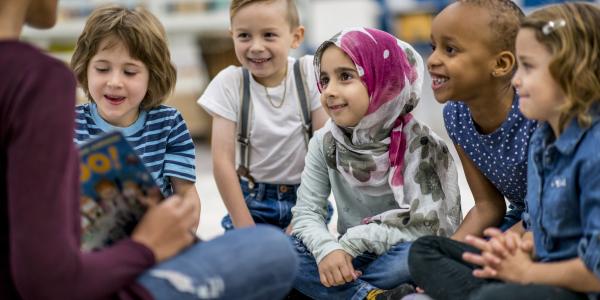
(116, 190)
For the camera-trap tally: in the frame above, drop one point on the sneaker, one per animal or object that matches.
(294, 294)
(393, 294)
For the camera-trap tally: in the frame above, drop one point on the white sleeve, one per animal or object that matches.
(222, 95)
(376, 238)
(310, 211)
(311, 82)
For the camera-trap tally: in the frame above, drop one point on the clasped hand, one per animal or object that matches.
(337, 269)
(506, 256)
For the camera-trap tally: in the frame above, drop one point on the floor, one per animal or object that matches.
(428, 111)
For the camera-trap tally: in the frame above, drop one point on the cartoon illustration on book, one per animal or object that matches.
(116, 190)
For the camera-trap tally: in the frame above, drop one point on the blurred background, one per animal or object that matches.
(201, 46)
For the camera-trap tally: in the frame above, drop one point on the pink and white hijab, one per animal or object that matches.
(389, 148)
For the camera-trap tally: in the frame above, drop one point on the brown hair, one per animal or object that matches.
(143, 35)
(506, 17)
(574, 42)
(292, 11)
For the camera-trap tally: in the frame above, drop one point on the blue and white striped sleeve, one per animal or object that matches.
(180, 154)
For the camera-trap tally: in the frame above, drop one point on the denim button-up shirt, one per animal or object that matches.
(563, 194)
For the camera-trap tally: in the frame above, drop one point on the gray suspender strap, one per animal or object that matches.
(243, 141)
(303, 101)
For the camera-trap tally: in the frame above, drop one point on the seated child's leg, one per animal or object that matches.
(233, 266)
(270, 204)
(309, 283)
(503, 291)
(227, 223)
(436, 265)
(267, 203)
(512, 217)
(390, 269)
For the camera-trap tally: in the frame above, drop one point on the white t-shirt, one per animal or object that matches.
(277, 146)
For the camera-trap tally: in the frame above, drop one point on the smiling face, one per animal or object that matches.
(262, 38)
(463, 58)
(117, 83)
(343, 94)
(540, 95)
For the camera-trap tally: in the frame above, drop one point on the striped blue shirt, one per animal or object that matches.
(159, 136)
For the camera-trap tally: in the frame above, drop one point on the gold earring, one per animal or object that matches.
(494, 73)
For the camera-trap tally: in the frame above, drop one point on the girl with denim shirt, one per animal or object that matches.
(559, 255)
(393, 180)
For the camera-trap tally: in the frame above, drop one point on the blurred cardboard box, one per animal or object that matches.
(413, 27)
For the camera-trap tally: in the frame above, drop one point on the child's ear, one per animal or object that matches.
(297, 37)
(505, 63)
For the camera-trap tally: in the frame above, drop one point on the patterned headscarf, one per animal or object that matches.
(388, 148)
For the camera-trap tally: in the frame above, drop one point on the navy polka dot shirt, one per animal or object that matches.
(501, 155)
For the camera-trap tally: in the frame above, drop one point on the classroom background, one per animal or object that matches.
(200, 47)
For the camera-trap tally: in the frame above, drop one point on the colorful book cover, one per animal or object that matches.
(116, 190)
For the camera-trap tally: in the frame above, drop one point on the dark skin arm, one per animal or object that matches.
(489, 207)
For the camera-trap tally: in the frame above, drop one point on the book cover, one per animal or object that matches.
(116, 190)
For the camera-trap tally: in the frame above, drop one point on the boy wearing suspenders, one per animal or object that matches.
(268, 108)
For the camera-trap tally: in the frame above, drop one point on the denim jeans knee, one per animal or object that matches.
(386, 271)
(232, 266)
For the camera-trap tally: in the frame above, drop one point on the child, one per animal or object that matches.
(123, 65)
(559, 85)
(392, 178)
(39, 203)
(472, 69)
(271, 152)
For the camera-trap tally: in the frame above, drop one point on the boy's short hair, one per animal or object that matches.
(143, 35)
(506, 17)
(292, 11)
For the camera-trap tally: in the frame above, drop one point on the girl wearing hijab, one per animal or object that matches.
(392, 178)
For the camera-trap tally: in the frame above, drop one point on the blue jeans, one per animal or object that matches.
(512, 217)
(233, 266)
(385, 272)
(269, 204)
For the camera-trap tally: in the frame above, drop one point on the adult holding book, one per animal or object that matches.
(39, 203)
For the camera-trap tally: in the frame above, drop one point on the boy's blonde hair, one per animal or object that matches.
(573, 38)
(143, 35)
(506, 17)
(292, 11)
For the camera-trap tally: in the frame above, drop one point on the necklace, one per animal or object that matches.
(282, 98)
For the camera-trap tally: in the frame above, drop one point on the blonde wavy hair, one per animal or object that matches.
(143, 35)
(574, 42)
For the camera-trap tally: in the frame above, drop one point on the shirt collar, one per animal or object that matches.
(571, 135)
(107, 127)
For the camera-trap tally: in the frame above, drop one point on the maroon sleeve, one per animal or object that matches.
(43, 199)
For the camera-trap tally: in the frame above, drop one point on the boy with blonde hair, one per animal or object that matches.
(269, 106)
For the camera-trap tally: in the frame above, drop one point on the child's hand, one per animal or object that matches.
(499, 245)
(166, 227)
(512, 268)
(336, 269)
(288, 230)
(505, 256)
